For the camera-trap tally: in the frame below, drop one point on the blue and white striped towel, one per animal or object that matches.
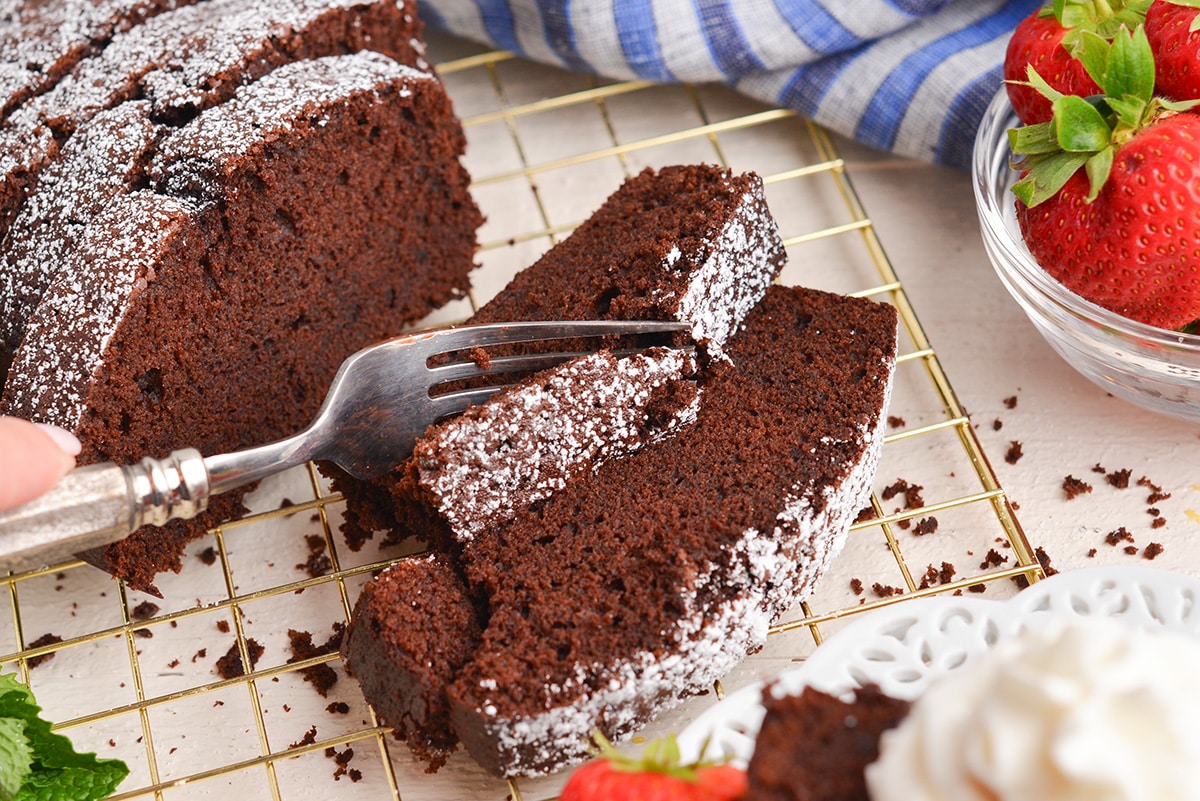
(909, 76)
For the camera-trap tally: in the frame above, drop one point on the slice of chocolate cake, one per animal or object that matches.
(321, 208)
(416, 651)
(642, 581)
(815, 747)
(498, 458)
(693, 243)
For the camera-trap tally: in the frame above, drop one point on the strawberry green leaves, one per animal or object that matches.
(39, 765)
(1084, 132)
(1102, 17)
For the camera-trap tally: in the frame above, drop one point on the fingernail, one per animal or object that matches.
(65, 440)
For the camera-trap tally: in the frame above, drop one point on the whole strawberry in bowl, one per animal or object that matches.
(1096, 232)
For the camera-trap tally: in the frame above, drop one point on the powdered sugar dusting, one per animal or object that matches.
(739, 268)
(84, 306)
(96, 165)
(766, 573)
(52, 367)
(296, 94)
(502, 456)
(40, 42)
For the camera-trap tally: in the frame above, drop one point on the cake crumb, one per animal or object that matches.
(338, 708)
(1091, 553)
(1153, 550)
(342, 760)
(322, 677)
(41, 659)
(926, 525)
(1119, 478)
(144, 611)
(223, 626)
(1074, 487)
(997, 424)
(309, 738)
(1010, 402)
(993, 559)
(1158, 522)
(230, 666)
(885, 590)
(977, 588)
(856, 586)
(911, 493)
(318, 562)
(934, 575)
(1015, 452)
(208, 556)
(895, 422)
(1048, 569)
(1131, 550)
(1118, 536)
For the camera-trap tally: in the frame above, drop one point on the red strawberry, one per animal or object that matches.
(1173, 29)
(657, 776)
(1048, 40)
(1038, 42)
(1110, 200)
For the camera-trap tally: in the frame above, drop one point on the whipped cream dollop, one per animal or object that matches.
(1092, 710)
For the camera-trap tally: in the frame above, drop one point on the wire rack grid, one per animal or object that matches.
(137, 678)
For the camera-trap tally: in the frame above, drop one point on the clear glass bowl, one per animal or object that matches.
(1152, 367)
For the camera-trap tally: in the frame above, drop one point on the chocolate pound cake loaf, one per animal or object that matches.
(209, 296)
(642, 581)
(186, 59)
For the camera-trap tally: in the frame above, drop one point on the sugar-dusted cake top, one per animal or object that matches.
(693, 242)
(104, 248)
(498, 458)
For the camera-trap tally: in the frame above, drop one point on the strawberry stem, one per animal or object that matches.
(1085, 132)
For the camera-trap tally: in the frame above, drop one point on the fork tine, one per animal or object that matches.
(458, 401)
(529, 363)
(477, 336)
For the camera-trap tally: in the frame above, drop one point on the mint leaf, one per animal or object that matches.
(80, 783)
(56, 772)
(16, 757)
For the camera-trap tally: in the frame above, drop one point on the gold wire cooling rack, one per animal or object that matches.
(136, 678)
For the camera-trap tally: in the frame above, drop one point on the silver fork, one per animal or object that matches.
(381, 400)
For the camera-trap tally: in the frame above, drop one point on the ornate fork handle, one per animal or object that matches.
(99, 503)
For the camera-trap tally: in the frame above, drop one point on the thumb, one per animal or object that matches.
(32, 459)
